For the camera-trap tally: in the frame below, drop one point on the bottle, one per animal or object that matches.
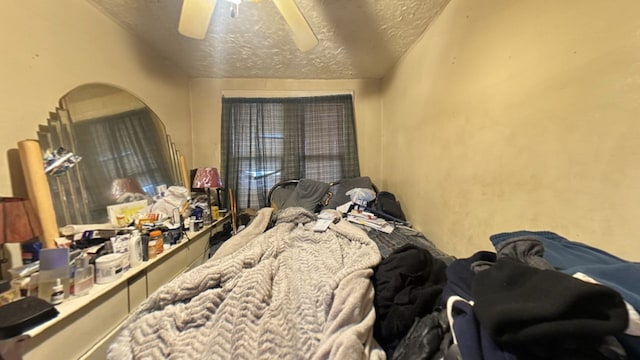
(32, 289)
(192, 224)
(57, 292)
(206, 217)
(145, 246)
(83, 277)
(156, 243)
(135, 249)
(54, 264)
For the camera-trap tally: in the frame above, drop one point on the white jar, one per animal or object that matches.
(108, 268)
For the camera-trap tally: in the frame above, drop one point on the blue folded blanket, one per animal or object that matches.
(572, 257)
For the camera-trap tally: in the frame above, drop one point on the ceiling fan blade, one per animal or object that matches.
(195, 17)
(303, 36)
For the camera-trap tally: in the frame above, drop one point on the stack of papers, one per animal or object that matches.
(370, 220)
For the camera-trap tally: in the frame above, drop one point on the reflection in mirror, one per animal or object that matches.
(126, 153)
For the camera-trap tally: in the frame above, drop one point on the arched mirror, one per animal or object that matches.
(126, 153)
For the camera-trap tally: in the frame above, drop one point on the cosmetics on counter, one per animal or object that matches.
(93, 257)
(54, 268)
(83, 276)
(108, 268)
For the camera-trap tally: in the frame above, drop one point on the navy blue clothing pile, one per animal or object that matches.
(544, 312)
(520, 302)
(408, 285)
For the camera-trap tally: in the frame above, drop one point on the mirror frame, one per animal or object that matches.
(69, 192)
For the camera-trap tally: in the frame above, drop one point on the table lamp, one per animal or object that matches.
(125, 186)
(208, 178)
(18, 221)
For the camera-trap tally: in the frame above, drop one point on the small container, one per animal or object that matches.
(215, 213)
(144, 243)
(57, 293)
(121, 221)
(83, 277)
(32, 287)
(31, 252)
(135, 249)
(120, 245)
(54, 264)
(156, 243)
(108, 268)
(192, 224)
(8, 292)
(206, 217)
(21, 285)
(173, 234)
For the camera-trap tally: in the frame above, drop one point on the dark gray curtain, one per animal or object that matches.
(266, 140)
(124, 145)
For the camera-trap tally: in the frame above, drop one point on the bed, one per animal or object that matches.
(279, 289)
(317, 196)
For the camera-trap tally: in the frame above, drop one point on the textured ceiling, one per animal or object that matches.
(357, 38)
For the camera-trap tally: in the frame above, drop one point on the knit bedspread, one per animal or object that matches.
(290, 293)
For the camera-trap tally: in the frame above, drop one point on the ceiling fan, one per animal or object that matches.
(196, 15)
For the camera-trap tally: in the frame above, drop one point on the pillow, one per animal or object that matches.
(340, 196)
(280, 195)
(307, 194)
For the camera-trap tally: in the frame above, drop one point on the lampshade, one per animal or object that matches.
(122, 186)
(206, 178)
(18, 220)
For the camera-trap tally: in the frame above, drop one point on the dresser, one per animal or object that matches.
(86, 324)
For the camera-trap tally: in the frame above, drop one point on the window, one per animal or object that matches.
(266, 140)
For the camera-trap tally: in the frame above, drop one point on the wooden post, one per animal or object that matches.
(38, 189)
(184, 173)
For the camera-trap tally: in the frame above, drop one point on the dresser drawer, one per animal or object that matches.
(137, 290)
(72, 336)
(198, 251)
(165, 269)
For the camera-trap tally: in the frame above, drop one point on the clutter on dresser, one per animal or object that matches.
(39, 290)
(90, 254)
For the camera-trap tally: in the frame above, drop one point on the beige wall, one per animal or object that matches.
(50, 47)
(207, 106)
(513, 115)
(504, 116)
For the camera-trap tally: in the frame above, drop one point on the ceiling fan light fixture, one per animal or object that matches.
(302, 33)
(195, 17)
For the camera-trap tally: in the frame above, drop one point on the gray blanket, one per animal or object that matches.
(290, 293)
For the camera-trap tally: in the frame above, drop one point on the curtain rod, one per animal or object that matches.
(282, 93)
